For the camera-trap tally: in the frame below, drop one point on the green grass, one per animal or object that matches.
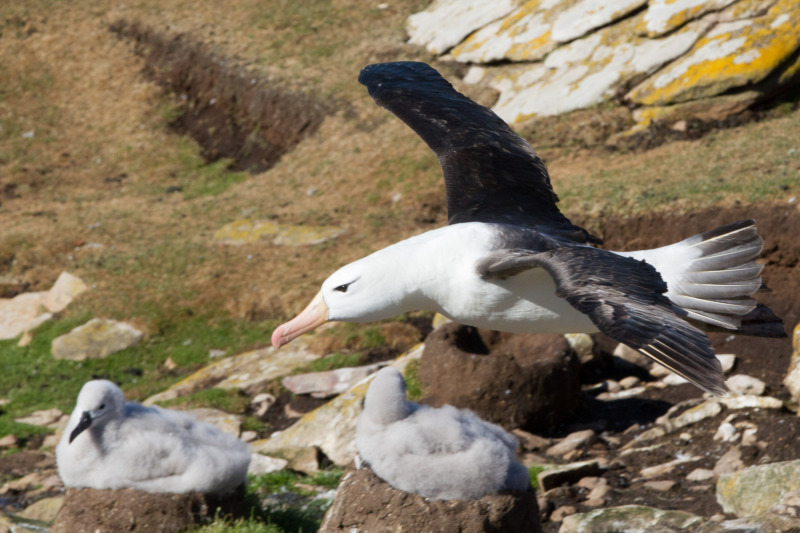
(534, 471)
(414, 390)
(331, 362)
(32, 379)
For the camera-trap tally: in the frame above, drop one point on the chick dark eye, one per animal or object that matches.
(342, 288)
(102, 406)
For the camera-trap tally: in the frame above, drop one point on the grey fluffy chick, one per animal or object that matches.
(113, 444)
(443, 453)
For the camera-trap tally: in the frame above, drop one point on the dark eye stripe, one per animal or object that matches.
(342, 288)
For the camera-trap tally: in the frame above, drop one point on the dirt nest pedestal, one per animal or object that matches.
(92, 510)
(366, 503)
(517, 381)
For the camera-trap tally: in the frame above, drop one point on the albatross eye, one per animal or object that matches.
(342, 288)
(102, 406)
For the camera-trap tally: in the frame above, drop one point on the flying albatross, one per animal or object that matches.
(509, 260)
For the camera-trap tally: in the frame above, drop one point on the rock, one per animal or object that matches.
(666, 468)
(792, 379)
(632, 356)
(44, 510)
(571, 442)
(742, 384)
(329, 383)
(446, 22)
(306, 459)
(28, 310)
(663, 16)
(45, 417)
(248, 231)
(562, 512)
(629, 382)
(261, 403)
(92, 510)
(249, 371)
(634, 517)
(755, 490)
(726, 432)
(732, 54)
(569, 473)
(264, 464)
(731, 461)
(366, 503)
(226, 422)
(96, 339)
(700, 474)
(663, 485)
(10, 286)
(585, 15)
(622, 394)
(330, 427)
(748, 402)
(586, 71)
(727, 361)
(531, 442)
(9, 441)
(526, 381)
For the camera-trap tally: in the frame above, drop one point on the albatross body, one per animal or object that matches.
(509, 260)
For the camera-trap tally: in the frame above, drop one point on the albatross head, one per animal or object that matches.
(98, 402)
(366, 290)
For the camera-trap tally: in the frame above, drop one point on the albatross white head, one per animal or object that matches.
(373, 288)
(98, 402)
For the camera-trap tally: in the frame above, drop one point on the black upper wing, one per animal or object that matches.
(625, 299)
(491, 173)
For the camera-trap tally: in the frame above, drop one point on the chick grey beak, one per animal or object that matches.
(85, 422)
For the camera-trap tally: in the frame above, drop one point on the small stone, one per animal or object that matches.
(685, 436)
(743, 384)
(9, 441)
(661, 485)
(96, 339)
(629, 382)
(249, 436)
(214, 353)
(588, 482)
(44, 417)
(600, 491)
(594, 502)
(569, 473)
(633, 356)
(612, 386)
(748, 402)
(264, 464)
(700, 474)
(44, 510)
(679, 126)
(665, 468)
(731, 461)
(572, 442)
(531, 442)
(621, 395)
(169, 364)
(562, 512)
(727, 361)
(261, 403)
(726, 432)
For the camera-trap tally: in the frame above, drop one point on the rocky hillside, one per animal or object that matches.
(177, 179)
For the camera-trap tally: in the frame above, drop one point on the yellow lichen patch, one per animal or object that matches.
(733, 54)
(523, 35)
(247, 231)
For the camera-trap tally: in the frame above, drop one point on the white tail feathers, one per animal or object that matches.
(712, 276)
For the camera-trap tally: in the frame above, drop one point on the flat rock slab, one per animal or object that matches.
(631, 518)
(366, 503)
(92, 510)
(756, 489)
(328, 383)
(28, 310)
(330, 427)
(96, 339)
(247, 371)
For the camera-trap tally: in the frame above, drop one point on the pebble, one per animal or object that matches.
(661, 485)
(744, 384)
(572, 442)
(726, 432)
(261, 403)
(621, 395)
(731, 461)
(700, 474)
(747, 402)
(629, 382)
(44, 417)
(531, 442)
(569, 473)
(9, 441)
(562, 512)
